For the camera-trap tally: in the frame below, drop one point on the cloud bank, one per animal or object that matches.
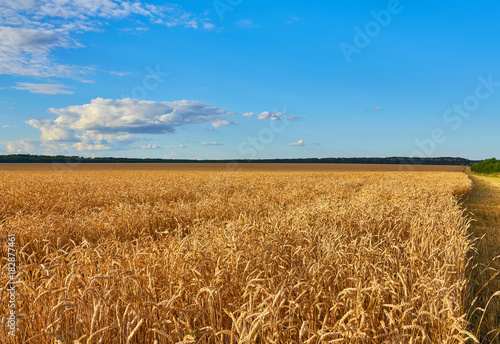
(115, 123)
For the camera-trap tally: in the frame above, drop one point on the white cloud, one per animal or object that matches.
(135, 31)
(248, 114)
(92, 140)
(86, 142)
(378, 108)
(298, 143)
(272, 115)
(246, 24)
(29, 146)
(133, 116)
(120, 73)
(43, 88)
(208, 26)
(9, 126)
(150, 146)
(211, 144)
(182, 146)
(81, 146)
(169, 146)
(25, 51)
(52, 131)
(222, 122)
(109, 124)
(21, 146)
(31, 29)
(170, 155)
(293, 118)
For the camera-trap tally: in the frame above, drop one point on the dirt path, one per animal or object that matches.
(484, 205)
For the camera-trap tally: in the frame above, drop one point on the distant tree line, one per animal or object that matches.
(486, 166)
(27, 158)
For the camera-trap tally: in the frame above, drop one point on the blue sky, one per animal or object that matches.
(245, 79)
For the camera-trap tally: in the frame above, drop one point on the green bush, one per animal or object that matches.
(486, 166)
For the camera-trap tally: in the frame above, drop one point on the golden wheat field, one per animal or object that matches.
(155, 256)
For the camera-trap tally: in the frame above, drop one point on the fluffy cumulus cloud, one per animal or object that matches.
(298, 143)
(52, 130)
(31, 29)
(43, 88)
(150, 146)
(22, 146)
(272, 115)
(95, 141)
(275, 116)
(37, 147)
(223, 122)
(116, 123)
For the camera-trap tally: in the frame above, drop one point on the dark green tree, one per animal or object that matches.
(486, 166)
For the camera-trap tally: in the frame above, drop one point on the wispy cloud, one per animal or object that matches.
(43, 88)
(26, 51)
(292, 20)
(246, 24)
(30, 30)
(208, 26)
(378, 108)
(135, 31)
(211, 144)
(298, 143)
(293, 118)
(120, 73)
(170, 155)
(9, 126)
